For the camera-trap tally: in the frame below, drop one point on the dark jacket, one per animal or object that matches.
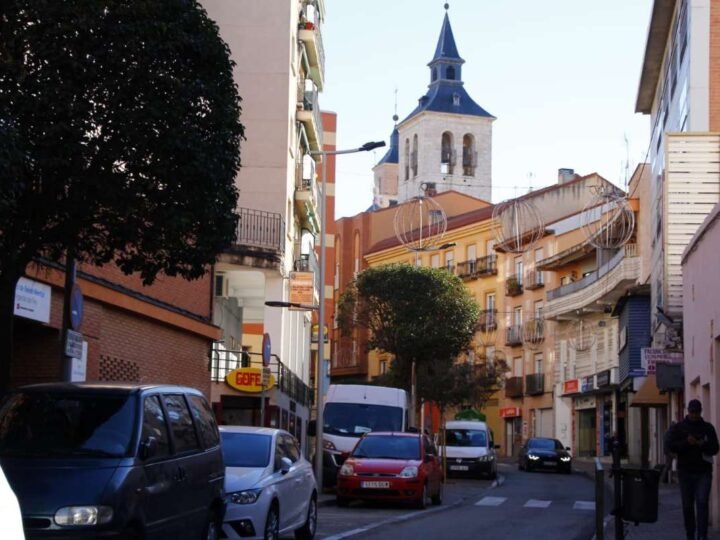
(693, 458)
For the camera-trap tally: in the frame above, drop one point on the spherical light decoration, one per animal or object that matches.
(420, 224)
(518, 225)
(580, 335)
(607, 219)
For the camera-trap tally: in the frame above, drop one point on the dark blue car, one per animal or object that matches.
(113, 461)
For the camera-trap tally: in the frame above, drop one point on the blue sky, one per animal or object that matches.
(560, 76)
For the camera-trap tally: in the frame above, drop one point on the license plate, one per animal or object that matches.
(375, 485)
(550, 464)
(459, 467)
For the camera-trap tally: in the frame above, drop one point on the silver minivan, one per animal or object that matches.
(470, 449)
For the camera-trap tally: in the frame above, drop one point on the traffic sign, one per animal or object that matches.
(265, 378)
(76, 307)
(266, 348)
(73, 344)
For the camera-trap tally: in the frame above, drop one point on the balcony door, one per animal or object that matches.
(519, 269)
(517, 316)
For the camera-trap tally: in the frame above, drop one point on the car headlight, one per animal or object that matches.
(328, 445)
(483, 458)
(347, 470)
(409, 472)
(533, 457)
(248, 496)
(565, 458)
(72, 516)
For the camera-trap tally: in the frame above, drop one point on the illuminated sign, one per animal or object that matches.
(509, 412)
(248, 380)
(571, 387)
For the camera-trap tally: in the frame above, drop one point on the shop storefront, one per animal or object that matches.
(513, 430)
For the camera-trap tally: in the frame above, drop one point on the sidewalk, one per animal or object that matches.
(669, 525)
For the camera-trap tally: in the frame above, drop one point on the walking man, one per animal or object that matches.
(695, 443)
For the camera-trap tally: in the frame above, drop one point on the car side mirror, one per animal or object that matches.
(567, 448)
(285, 465)
(312, 428)
(496, 447)
(148, 448)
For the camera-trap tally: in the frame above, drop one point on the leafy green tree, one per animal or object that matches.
(119, 140)
(418, 314)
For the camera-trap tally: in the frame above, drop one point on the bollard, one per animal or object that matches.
(599, 500)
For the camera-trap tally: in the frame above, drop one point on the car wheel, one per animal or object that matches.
(437, 498)
(342, 502)
(307, 531)
(528, 467)
(212, 527)
(493, 474)
(272, 524)
(421, 503)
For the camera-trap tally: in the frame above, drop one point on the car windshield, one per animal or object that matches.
(544, 444)
(357, 418)
(388, 447)
(66, 425)
(245, 449)
(465, 437)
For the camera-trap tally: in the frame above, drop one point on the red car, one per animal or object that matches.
(391, 466)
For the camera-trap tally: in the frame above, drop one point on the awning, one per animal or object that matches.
(648, 394)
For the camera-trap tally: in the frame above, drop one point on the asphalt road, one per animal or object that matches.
(533, 506)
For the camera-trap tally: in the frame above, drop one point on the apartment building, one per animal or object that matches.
(280, 71)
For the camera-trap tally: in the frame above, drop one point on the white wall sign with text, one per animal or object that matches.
(32, 300)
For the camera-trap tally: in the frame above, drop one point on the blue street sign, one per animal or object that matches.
(266, 349)
(76, 307)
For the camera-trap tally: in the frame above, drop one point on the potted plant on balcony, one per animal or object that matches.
(512, 285)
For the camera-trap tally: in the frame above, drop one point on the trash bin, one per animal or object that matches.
(640, 495)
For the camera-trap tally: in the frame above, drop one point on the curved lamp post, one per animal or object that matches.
(320, 372)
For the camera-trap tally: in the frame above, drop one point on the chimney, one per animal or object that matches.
(566, 175)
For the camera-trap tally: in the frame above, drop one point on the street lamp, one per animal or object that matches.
(278, 303)
(320, 371)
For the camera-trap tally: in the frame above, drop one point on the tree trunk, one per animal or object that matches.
(8, 281)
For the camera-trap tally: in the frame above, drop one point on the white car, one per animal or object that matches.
(269, 486)
(10, 516)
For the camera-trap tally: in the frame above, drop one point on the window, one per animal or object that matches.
(435, 261)
(564, 280)
(517, 315)
(280, 452)
(450, 73)
(407, 159)
(471, 251)
(204, 421)
(414, 156)
(519, 269)
(538, 363)
(383, 367)
(490, 301)
(181, 424)
(517, 366)
(446, 153)
(291, 448)
(245, 449)
(539, 309)
(469, 155)
(450, 260)
(154, 425)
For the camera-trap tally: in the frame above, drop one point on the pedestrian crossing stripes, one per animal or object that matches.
(535, 503)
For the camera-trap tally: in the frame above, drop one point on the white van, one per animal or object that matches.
(352, 410)
(470, 448)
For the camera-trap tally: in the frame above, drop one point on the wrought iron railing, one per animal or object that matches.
(534, 280)
(487, 266)
(487, 320)
(223, 361)
(514, 387)
(535, 384)
(513, 335)
(513, 285)
(260, 229)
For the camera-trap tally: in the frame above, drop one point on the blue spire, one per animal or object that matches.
(392, 156)
(446, 48)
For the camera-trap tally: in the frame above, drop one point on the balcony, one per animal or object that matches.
(311, 37)
(487, 321)
(307, 202)
(599, 289)
(467, 269)
(259, 239)
(534, 330)
(514, 387)
(308, 114)
(448, 267)
(513, 285)
(513, 335)
(223, 361)
(535, 384)
(487, 266)
(348, 362)
(534, 280)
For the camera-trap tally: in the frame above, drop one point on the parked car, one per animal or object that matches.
(270, 486)
(113, 461)
(542, 453)
(470, 449)
(10, 517)
(393, 467)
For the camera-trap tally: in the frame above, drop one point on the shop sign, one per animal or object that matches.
(248, 380)
(32, 300)
(585, 402)
(509, 412)
(588, 384)
(571, 387)
(316, 330)
(302, 288)
(649, 358)
(603, 378)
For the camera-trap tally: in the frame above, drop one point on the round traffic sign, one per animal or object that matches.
(266, 348)
(76, 307)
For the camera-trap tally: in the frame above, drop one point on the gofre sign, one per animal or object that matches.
(248, 380)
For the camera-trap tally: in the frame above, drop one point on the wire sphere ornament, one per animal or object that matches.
(580, 335)
(518, 225)
(607, 220)
(420, 223)
(533, 333)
